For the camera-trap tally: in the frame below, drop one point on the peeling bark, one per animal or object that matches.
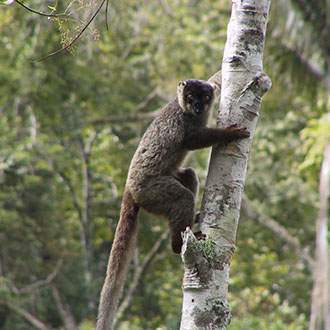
(207, 263)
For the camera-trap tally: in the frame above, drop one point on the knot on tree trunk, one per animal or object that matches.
(197, 268)
(259, 85)
(200, 257)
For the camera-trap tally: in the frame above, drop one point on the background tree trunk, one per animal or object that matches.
(207, 262)
(320, 307)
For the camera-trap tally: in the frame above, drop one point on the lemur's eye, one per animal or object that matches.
(207, 98)
(190, 97)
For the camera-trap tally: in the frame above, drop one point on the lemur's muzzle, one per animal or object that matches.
(198, 108)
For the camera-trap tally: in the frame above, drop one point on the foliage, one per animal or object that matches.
(67, 134)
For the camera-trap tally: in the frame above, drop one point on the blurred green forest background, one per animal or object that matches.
(69, 126)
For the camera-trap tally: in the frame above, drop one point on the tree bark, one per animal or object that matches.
(320, 307)
(207, 262)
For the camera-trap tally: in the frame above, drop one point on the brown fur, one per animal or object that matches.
(121, 255)
(157, 183)
(188, 178)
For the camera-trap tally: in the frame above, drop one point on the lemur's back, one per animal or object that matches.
(160, 149)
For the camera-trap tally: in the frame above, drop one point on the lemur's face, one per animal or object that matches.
(195, 96)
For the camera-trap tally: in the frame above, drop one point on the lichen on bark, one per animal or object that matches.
(216, 312)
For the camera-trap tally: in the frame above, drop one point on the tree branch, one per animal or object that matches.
(277, 229)
(36, 285)
(315, 13)
(63, 16)
(137, 116)
(68, 183)
(70, 44)
(64, 310)
(106, 14)
(138, 274)
(312, 13)
(311, 67)
(30, 318)
(86, 192)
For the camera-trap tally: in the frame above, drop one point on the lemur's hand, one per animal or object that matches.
(238, 132)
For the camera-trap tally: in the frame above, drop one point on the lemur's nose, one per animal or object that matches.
(198, 107)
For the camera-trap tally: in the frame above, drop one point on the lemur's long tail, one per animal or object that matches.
(120, 257)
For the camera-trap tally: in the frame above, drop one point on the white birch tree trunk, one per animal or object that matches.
(320, 307)
(207, 262)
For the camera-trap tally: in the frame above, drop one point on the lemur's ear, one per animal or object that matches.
(216, 89)
(180, 92)
(213, 85)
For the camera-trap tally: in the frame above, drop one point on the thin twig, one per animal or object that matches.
(106, 14)
(36, 285)
(43, 14)
(76, 37)
(88, 146)
(69, 185)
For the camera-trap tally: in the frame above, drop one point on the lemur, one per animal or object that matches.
(158, 184)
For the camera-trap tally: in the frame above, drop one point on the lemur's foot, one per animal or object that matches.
(200, 236)
(197, 217)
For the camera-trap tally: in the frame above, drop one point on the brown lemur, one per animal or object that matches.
(157, 183)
